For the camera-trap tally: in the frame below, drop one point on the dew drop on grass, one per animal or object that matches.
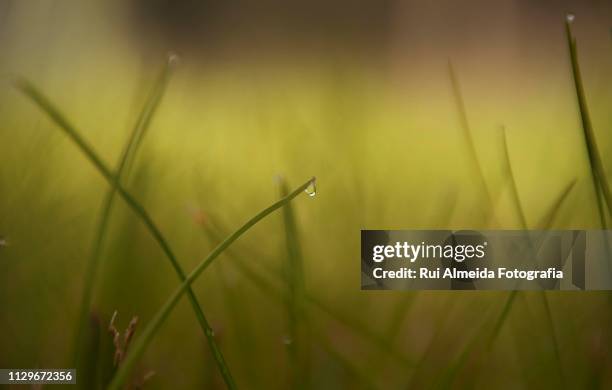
(311, 190)
(210, 332)
(570, 17)
(287, 340)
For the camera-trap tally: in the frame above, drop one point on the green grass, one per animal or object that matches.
(145, 338)
(298, 343)
(598, 172)
(121, 170)
(385, 164)
(59, 119)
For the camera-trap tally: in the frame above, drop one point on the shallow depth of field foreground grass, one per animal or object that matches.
(123, 172)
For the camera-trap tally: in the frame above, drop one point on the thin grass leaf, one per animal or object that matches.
(598, 173)
(129, 151)
(44, 103)
(149, 332)
(298, 348)
(511, 178)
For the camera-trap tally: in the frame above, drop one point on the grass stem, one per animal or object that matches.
(129, 150)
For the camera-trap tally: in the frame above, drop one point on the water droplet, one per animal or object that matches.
(210, 332)
(287, 340)
(311, 190)
(570, 17)
(3, 241)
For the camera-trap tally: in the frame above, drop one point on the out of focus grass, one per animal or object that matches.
(387, 150)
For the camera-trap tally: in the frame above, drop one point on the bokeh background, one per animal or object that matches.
(359, 95)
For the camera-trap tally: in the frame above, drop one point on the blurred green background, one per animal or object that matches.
(358, 95)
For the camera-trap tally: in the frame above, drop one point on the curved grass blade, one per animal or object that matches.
(141, 343)
(598, 173)
(37, 97)
(129, 151)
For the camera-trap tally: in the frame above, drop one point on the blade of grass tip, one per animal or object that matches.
(140, 344)
(146, 116)
(467, 133)
(128, 152)
(515, 193)
(294, 276)
(598, 174)
(32, 92)
(524, 226)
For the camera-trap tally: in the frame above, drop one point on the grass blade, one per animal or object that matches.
(56, 116)
(598, 174)
(294, 276)
(511, 178)
(141, 343)
(128, 152)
